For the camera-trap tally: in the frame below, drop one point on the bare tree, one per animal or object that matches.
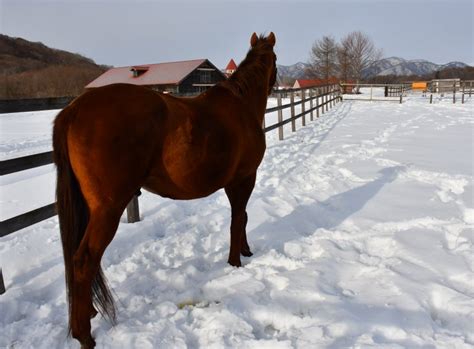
(362, 52)
(344, 66)
(322, 62)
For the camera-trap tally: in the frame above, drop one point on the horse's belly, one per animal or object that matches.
(179, 188)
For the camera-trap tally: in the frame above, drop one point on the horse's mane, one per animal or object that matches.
(242, 81)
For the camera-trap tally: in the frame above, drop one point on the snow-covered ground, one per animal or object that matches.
(361, 225)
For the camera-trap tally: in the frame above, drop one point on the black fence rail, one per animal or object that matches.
(33, 104)
(320, 99)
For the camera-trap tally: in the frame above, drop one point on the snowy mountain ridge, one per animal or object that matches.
(385, 66)
(401, 66)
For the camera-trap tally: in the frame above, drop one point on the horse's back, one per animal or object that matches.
(212, 144)
(123, 137)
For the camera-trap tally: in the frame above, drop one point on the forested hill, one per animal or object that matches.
(31, 69)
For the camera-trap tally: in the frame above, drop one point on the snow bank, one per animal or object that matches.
(361, 226)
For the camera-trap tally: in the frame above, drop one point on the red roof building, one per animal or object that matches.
(304, 83)
(184, 77)
(231, 68)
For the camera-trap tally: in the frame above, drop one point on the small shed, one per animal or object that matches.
(419, 85)
(183, 78)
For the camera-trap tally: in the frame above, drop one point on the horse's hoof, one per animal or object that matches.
(235, 263)
(246, 253)
(88, 344)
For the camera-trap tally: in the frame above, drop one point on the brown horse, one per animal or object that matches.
(114, 140)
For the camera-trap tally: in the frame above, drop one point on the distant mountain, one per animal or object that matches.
(387, 66)
(295, 71)
(32, 69)
(400, 66)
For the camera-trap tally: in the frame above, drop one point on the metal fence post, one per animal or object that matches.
(311, 95)
(280, 118)
(133, 211)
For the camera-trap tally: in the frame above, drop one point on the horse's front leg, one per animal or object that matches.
(239, 194)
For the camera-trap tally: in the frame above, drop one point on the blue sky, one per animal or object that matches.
(139, 32)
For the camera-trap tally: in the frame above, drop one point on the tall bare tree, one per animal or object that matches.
(362, 52)
(344, 67)
(322, 62)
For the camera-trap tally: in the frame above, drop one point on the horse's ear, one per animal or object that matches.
(253, 40)
(271, 39)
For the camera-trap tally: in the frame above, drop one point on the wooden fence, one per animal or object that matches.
(319, 98)
(390, 90)
(463, 87)
(33, 104)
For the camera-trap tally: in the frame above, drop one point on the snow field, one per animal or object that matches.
(361, 225)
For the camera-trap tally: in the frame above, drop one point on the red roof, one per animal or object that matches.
(170, 73)
(314, 82)
(231, 65)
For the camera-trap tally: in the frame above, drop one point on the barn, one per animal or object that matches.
(183, 78)
(305, 83)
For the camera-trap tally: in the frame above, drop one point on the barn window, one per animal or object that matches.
(205, 77)
(137, 71)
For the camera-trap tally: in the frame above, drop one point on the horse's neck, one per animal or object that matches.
(256, 95)
(258, 98)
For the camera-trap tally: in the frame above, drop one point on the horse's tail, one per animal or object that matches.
(73, 214)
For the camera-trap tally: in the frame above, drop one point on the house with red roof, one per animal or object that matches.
(304, 83)
(184, 77)
(231, 68)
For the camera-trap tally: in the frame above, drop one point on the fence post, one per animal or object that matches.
(431, 98)
(331, 96)
(303, 107)
(292, 101)
(470, 88)
(323, 106)
(327, 98)
(401, 96)
(2, 283)
(311, 95)
(317, 102)
(454, 92)
(133, 212)
(280, 118)
(371, 88)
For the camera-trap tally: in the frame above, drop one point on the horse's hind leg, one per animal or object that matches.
(239, 194)
(103, 223)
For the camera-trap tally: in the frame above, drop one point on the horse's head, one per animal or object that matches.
(264, 46)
